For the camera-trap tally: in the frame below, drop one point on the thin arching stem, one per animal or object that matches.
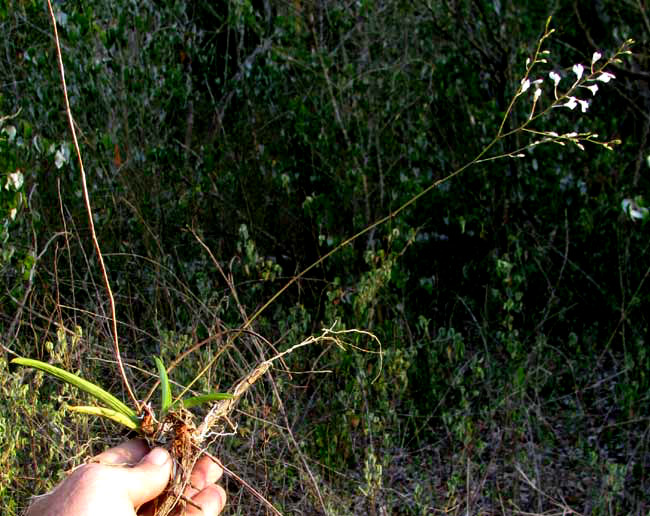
(84, 188)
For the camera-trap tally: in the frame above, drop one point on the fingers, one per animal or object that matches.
(128, 453)
(211, 499)
(151, 472)
(203, 491)
(205, 472)
(149, 477)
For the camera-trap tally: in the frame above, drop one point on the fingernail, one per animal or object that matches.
(157, 456)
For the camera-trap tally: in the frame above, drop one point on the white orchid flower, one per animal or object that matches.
(555, 77)
(578, 69)
(605, 77)
(571, 103)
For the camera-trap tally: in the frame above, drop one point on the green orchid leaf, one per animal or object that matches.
(116, 416)
(94, 390)
(194, 401)
(165, 388)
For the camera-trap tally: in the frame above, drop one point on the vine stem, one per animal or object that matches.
(84, 188)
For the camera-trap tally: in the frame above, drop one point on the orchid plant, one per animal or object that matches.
(113, 408)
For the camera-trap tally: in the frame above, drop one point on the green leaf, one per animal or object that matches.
(205, 398)
(116, 416)
(165, 388)
(94, 390)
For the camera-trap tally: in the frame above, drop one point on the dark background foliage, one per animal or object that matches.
(510, 301)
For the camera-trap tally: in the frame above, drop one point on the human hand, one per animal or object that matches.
(123, 479)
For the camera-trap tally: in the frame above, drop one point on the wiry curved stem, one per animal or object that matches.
(84, 188)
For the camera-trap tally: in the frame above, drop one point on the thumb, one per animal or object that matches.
(149, 477)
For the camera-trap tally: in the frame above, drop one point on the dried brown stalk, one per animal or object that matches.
(84, 188)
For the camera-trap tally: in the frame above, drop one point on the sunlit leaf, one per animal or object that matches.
(94, 390)
(165, 388)
(116, 416)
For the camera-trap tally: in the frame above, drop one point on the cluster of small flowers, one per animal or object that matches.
(578, 69)
(584, 78)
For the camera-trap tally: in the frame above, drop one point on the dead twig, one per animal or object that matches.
(239, 479)
(84, 188)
